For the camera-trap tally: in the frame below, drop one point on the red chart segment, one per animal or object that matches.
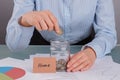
(15, 73)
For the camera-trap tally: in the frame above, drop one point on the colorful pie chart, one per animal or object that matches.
(11, 73)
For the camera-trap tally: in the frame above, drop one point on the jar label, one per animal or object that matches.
(44, 65)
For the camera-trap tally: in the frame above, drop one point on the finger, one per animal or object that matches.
(41, 22)
(43, 25)
(37, 25)
(58, 30)
(86, 67)
(81, 66)
(54, 20)
(74, 59)
(76, 54)
(76, 64)
(48, 22)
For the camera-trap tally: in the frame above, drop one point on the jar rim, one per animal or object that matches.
(58, 41)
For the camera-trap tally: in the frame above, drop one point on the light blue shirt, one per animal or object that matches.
(75, 17)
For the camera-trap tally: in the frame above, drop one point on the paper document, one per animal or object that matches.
(103, 69)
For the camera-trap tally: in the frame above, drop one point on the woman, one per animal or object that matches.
(74, 17)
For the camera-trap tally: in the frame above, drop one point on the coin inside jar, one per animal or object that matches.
(61, 65)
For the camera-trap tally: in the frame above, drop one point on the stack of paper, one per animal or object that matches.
(103, 69)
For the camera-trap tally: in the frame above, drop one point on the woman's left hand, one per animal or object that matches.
(82, 60)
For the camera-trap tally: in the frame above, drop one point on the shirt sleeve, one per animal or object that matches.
(17, 36)
(104, 26)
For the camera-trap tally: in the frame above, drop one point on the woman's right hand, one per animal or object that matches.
(42, 20)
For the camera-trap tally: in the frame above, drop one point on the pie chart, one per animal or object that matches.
(11, 73)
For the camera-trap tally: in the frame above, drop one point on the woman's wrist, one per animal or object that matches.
(90, 50)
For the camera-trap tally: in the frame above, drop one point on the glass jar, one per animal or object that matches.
(61, 51)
